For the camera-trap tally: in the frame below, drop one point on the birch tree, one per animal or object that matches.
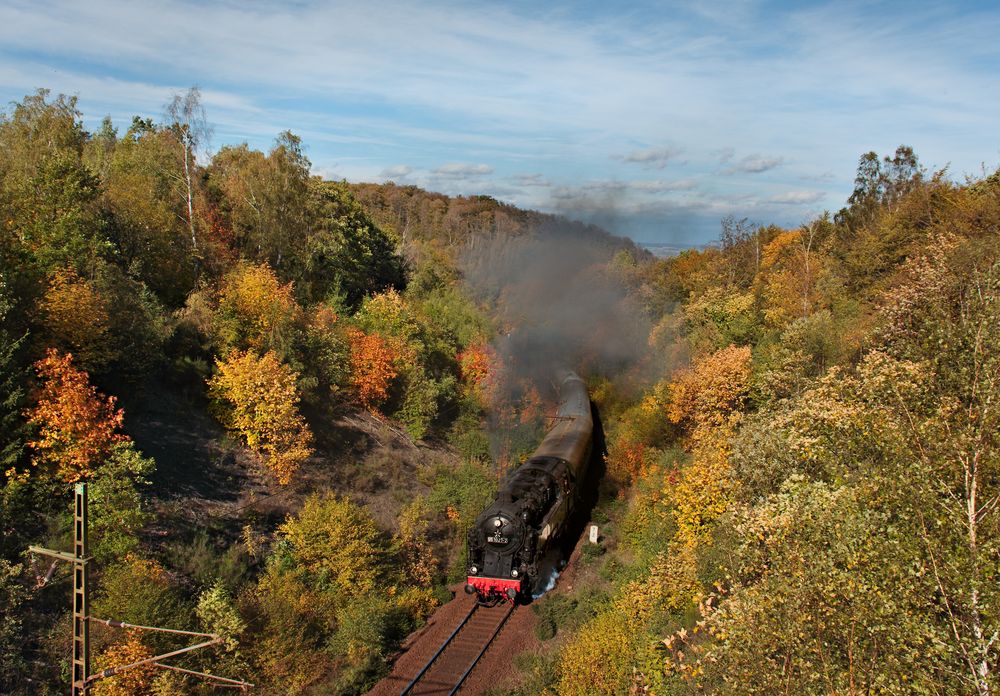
(191, 130)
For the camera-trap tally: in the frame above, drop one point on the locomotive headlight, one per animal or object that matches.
(498, 523)
(473, 570)
(513, 573)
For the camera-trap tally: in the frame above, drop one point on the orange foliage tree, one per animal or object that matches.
(631, 450)
(626, 459)
(262, 400)
(137, 680)
(372, 367)
(76, 425)
(477, 365)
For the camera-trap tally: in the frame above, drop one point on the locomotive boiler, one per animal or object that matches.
(534, 505)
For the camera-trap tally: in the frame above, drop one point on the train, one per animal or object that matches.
(535, 505)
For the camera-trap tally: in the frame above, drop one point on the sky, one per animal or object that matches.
(655, 120)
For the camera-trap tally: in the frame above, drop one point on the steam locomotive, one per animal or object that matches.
(534, 505)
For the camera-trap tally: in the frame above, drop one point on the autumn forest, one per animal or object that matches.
(290, 397)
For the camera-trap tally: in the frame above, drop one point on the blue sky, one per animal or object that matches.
(653, 119)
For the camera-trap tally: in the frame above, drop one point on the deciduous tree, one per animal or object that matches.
(257, 312)
(77, 427)
(48, 193)
(259, 399)
(131, 682)
(372, 368)
(76, 319)
(338, 542)
(190, 128)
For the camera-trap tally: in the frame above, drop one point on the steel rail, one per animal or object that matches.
(496, 632)
(436, 655)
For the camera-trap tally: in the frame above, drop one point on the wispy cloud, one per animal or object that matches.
(825, 176)
(755, 164)
(530, 180)
(653, 158)
(641, 185)
(458, 170)
(724, 154)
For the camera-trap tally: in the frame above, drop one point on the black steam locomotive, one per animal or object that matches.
(534, 505)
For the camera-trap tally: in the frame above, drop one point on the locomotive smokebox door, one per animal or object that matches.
(501, 533)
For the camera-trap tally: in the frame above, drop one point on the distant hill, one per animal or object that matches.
(414, 214)
(662, 251)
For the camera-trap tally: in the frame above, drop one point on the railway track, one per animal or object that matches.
(461, 651)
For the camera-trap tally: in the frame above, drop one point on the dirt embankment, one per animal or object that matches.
(205, 479)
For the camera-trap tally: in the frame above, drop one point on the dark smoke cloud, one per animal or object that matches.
(558, 304)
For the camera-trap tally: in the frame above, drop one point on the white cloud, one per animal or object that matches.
(327, 173)
(396, 172)
(797, 197)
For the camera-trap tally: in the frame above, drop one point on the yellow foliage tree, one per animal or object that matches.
(704, 489)
(419, 562)
(261, 399)
(599, 658)
(708, 398)
(76, 318)
(672, 583)
(256, 311)
(334, 536)
(792, 276)
(713, 390)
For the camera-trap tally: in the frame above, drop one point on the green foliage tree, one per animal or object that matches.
(294, 623)
(144, 198)
(47, 194)
(829, 598)
(346, 253)
(13, 373)
(880, 184)
(266, 199)
(12, 637)
(327, 614)
(141, 591)
(118, 508)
